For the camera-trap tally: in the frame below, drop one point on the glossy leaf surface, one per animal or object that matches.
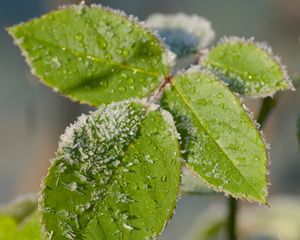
(249, 68)
(221, 142)
(92, 54)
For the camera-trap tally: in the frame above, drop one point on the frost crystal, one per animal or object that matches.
(91, 151)
(182, 33)
(245, 80)
(169, 119)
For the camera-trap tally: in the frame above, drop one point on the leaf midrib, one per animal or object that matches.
(120, 168)
(92, 57)
(217, 144)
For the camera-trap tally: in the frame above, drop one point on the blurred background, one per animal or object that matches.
(32, 117)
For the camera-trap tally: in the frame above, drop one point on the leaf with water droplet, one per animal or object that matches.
(86, 54)
(111, 175)
(248, 67)
(184, 34)
(219, 139)
(27, 229)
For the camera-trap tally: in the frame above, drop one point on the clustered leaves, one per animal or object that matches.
(116, 174)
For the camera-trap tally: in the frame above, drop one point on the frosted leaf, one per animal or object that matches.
(93, 54)
(108, 167)
(219, 140)
(250, 68)
(184, 34)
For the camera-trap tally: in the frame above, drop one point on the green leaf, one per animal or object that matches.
(249, 68)
(29, 229)
(184, 34)
(116, 175)
(93, 54)
(220, 140)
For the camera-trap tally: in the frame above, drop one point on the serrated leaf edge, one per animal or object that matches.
(150, 107)
(168, 56)
(198, 69)
(263, 46)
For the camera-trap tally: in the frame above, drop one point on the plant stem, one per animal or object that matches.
(267, 106)
(233, 207)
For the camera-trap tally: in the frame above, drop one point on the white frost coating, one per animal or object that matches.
(169, 119)
(196, 69)
(193, 24)
(169, 58)
(128, 227)
(153, 107)
(117, 112)
(92, 149)
(193, 69)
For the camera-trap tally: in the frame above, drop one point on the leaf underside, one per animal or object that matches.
(92, 54)
(249, 68)
(221, 143)
(116, 176)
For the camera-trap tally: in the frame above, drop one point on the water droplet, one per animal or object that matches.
(55, 62)
(101, 42)
(122, 89)
(202, 102)
(223, 106)
(79, 37)
(220, 95)
(164, 178)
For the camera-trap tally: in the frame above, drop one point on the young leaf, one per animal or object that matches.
(116, 175)
(184, 34)
(220, 140)
(92, 54)
(248, 67)
(28, 229)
